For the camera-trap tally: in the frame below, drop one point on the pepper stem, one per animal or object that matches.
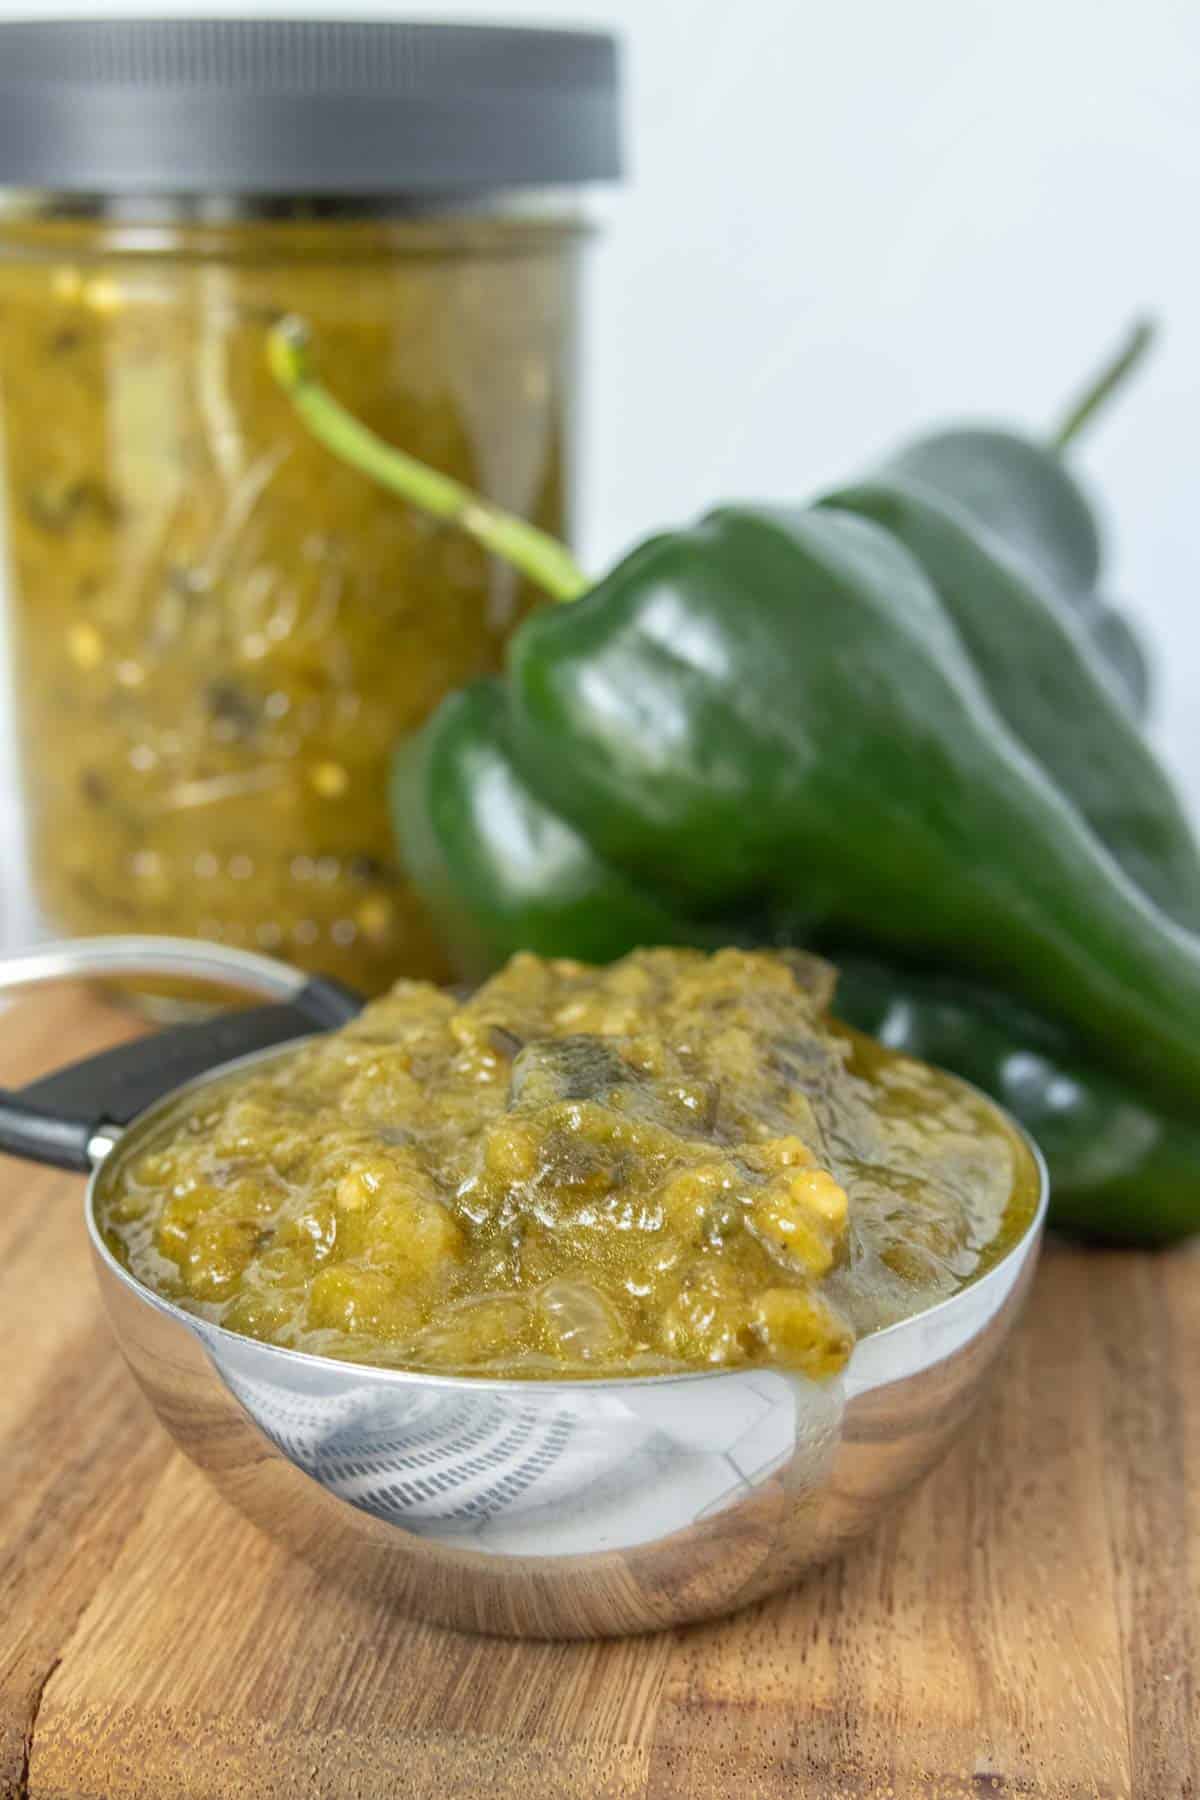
(1105, 383)
(532, 552)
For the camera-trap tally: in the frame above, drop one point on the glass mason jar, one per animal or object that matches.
(218, 632)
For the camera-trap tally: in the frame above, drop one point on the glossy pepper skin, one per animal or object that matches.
(1119, 1171)
(774, 709)
(1048, 681)
(500, 869)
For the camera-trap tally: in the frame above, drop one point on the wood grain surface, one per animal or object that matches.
(1029, 1624)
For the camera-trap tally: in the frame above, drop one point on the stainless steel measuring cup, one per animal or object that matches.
(539, 1508)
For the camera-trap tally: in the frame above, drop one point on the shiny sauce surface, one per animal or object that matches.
(676, 1162)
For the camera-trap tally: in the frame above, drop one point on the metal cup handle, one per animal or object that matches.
(72, 1117)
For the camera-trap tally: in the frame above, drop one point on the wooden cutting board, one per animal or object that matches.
(1028, 1624)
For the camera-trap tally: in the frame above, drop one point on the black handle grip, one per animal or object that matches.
(55, 1120)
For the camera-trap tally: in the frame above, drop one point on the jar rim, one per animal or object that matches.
(38, 226)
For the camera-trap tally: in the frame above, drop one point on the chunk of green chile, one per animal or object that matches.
(1119, 1171)
(1050, 686)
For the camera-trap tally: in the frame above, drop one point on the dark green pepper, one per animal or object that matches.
(775, 708)
(521, 876)
(775, 712)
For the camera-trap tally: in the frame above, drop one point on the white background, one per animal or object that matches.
(845, 221)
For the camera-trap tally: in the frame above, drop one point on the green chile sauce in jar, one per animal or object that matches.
(218, 631)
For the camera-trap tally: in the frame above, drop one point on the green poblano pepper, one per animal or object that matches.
(782, 712)
(776, 708)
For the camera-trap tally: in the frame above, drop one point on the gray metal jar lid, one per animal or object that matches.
(302, 106)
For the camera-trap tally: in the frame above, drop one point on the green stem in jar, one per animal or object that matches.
(1104, 384)
(535, 554)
